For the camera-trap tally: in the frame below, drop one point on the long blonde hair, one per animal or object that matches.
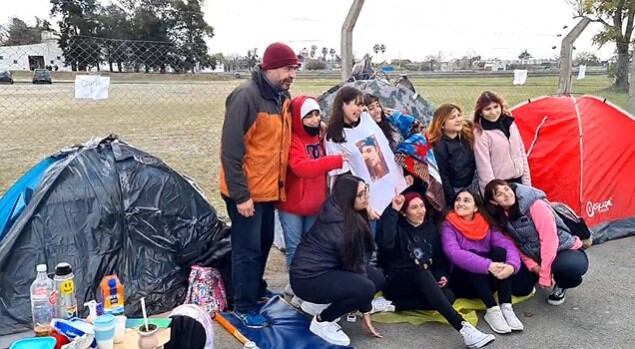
(441, 115)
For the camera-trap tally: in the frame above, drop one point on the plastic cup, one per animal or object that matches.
(105, 331)
(120, 328)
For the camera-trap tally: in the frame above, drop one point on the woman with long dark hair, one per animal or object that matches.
(331, 263)
(380, 115)
(352, 133)
(416, 269)
(553, 257)
(498, 148)
(483, 258)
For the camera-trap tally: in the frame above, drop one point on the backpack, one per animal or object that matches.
(206, 289)
(575, 223)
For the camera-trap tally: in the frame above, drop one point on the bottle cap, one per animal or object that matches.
(41, 268)
(112, 283)
(63, 269)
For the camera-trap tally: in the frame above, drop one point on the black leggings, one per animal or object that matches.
(567, 269)
(471, 285)
(345, 290)
(418, 290)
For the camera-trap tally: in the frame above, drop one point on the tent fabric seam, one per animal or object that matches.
(581, 146)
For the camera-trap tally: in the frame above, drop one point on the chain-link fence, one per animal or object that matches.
(161, 100)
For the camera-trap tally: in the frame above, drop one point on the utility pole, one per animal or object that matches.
(347, 37)
(566, 59)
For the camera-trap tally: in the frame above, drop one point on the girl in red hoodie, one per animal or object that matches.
(306, 175)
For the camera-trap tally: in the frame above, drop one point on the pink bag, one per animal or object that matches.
(206, 289)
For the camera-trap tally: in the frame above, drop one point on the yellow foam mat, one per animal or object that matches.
(466, 307)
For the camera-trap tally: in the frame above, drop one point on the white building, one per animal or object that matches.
(494, 65)
(29, 57)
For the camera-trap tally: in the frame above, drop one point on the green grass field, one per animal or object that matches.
(180, 120)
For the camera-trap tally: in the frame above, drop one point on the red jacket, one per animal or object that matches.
(308, 167)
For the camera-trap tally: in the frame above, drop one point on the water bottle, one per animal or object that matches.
(65, 289)
(42, 302)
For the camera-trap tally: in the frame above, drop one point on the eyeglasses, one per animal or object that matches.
(364, 192)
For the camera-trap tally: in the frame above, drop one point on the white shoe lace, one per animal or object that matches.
(558, 292)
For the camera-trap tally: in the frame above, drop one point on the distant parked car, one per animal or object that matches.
(41, 76)
(6, 77)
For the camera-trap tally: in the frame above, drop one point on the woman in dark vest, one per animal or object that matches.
(551, 254)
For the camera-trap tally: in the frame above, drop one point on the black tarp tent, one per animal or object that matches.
(106, 207)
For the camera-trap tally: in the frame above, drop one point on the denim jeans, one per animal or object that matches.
(251, 240)
(293, 227)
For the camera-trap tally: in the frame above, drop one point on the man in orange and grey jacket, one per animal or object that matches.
(254, 153)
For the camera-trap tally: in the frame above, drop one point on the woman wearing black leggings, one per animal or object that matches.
(330, 265)
(417, 275)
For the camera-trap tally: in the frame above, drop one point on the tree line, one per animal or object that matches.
(128, 35)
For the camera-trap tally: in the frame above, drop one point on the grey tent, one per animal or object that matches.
(399, 97)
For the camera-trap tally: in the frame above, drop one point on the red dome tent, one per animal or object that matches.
(582, 152)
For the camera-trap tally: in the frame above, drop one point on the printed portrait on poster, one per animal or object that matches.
(373, 158)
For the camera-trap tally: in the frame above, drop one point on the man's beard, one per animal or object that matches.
(286, 84)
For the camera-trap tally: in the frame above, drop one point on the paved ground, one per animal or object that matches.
(597, 315)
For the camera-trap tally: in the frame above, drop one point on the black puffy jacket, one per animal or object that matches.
(394, 236)
(322, 248)
(456, 163)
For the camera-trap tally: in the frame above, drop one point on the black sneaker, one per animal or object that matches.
(557, 296)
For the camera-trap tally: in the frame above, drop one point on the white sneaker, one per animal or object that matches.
(313, 308)
(329, 331)
(296, 301)
(380, 304)
(473, 338)
(495, 319)
(511, 318)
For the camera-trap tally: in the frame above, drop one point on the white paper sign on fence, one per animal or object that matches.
(581, 72)
(91, 87)
(520, 76)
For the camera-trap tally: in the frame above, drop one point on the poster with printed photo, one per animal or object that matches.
(373, 158)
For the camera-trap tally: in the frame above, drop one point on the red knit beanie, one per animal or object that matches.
(278, 55)
(409, 196)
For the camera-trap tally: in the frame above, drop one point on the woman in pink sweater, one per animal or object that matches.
(498, 149)
(551, 254)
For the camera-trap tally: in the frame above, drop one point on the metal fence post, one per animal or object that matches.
(566, 59)
(347, 37)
